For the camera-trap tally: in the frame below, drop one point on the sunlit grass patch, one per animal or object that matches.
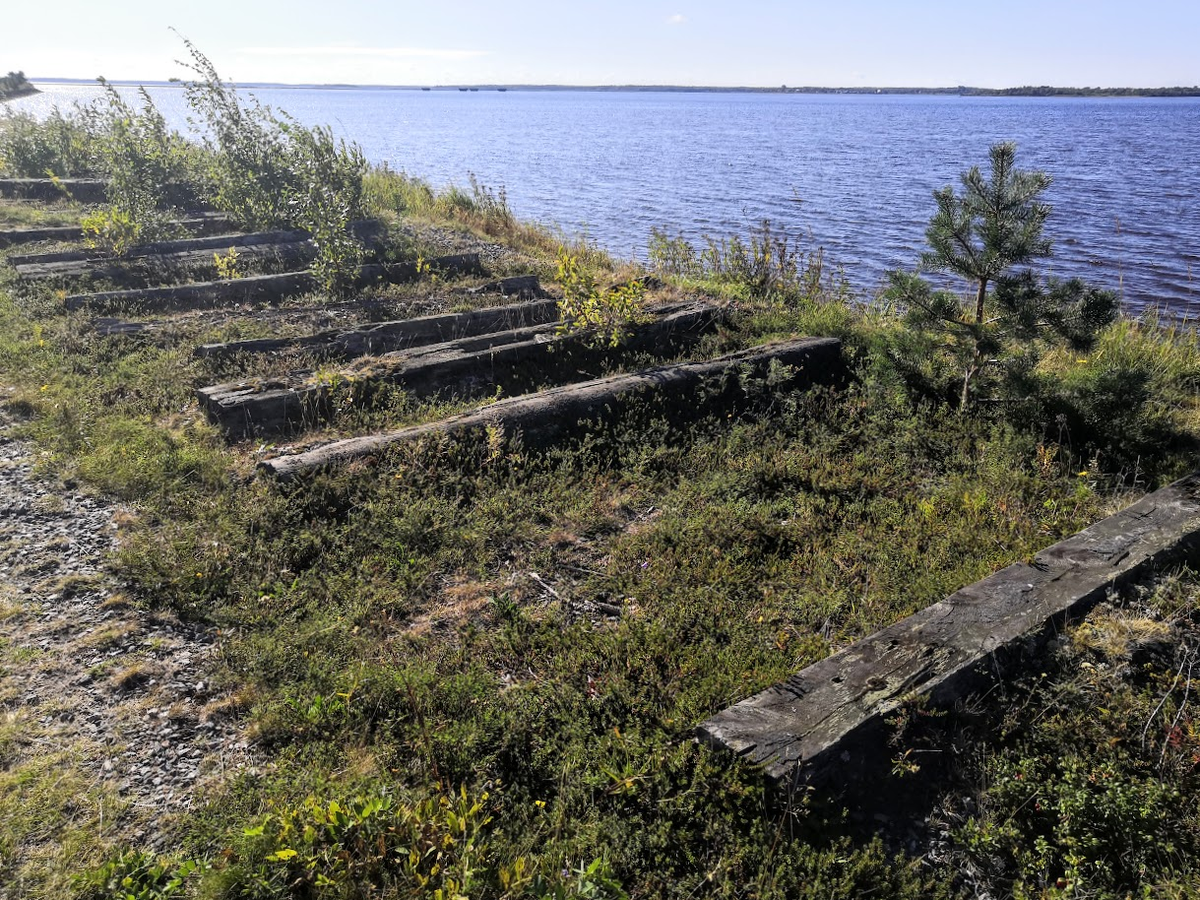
(57, 819)
(17, 214)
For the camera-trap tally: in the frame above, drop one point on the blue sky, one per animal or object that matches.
(755, 42)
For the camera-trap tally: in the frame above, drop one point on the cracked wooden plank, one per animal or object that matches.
(199, 224)
(163, 259)
(385, 337)
(256, 288)
(552, 415)
(509, 359)
(826, 723)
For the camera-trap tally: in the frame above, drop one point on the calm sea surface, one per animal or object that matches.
(853, 174)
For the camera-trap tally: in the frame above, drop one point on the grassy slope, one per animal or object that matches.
(435, 632)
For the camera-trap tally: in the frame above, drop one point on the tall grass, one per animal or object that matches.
(479, 209)
(766, 265)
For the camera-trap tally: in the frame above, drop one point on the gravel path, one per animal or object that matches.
(121, 693)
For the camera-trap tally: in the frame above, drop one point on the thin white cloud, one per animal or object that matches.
(677, 19)
(375, 52)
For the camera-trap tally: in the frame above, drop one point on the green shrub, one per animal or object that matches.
(585, 307)
(136, 875)
(268, 171)
(112, 229)
(142, 161)
(438, 847)
(1083, 781)
(432, 848)
(59, 146)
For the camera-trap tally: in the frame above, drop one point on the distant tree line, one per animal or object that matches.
(1043, 90)
(1048, 91)
(958, 90)
(14, 84)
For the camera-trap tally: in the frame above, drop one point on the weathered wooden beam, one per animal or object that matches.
(525, 286)
(82, 190)
(148, 267)
(385, 337)
(204, 237)
(396, 273)
(200, 295)
(826, 723)
(109, 327)
(210, 243)
(549, 416)
(199, 224)
(164, 258)
(464, 367)
(253, 289)
(17, 236)
(320, 311)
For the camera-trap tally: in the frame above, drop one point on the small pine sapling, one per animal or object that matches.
(982, 235)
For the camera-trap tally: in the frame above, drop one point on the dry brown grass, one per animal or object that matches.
(1117, 635)
(461, 602)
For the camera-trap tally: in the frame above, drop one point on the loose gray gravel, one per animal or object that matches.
(124, 692)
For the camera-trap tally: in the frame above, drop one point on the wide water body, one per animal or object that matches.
(851, 173)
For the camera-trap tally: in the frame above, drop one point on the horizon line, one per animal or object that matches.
(551, 86)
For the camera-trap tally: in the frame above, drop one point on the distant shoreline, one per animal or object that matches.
(19, 92)
(961, 90)
(24, 90)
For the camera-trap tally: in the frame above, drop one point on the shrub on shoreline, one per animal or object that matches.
(261, 167)
(14, 84)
